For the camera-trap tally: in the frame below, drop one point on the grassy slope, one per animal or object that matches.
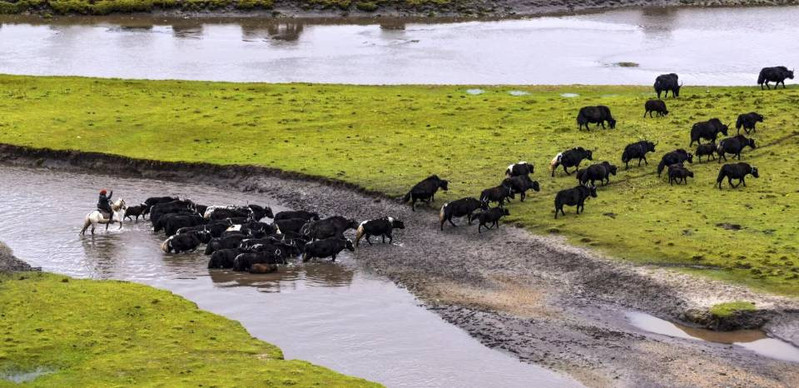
(137, 336)
(387, 138)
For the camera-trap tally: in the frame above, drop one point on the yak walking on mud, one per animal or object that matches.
(463, 207)
(490, 218)
(425, 190)
(382, 227)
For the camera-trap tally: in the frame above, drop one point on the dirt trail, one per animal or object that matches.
(536, 297)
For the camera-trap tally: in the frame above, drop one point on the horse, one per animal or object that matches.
(95, 217)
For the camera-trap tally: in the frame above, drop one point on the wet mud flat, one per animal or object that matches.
(532, 296)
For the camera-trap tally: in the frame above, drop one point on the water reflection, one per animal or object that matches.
(288, 277)
(274, 31)
(188, 30)
(657, 22)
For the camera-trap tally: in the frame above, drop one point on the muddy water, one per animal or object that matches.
(332, 314)
(754, 340)
(715, 46)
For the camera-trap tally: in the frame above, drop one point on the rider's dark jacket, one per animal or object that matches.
(104, 203)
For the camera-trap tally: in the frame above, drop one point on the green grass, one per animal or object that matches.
(88, 333)
(726, 309)
(387, 138)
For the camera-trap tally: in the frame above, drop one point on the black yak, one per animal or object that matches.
(596, 172)
(499, 194)
(425, 190)
(747, 121)
(637, 151)
(668, 83)
(707, 130)
(776, 74)
(490, 218)
(736, 171)
(328, 227)
(595, 115)
(520, 184)
(570, 158)
(678, 173)
(657, 106)
(306, 215)
(521, 168)
(329, 247)
(379, 227)
(707, 149)
(573, 197)
(733, 145)
(674, 157)
(459, 208)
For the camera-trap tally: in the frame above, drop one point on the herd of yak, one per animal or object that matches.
(236, 238)
(518, 179)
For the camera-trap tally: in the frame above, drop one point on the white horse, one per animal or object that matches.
(95, 217)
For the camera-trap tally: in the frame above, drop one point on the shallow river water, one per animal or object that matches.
(332, 314)
(706, 46)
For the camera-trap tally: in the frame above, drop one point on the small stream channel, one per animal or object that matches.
(332, 314)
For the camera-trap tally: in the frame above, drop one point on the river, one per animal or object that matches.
(332, 314)
(706, 46)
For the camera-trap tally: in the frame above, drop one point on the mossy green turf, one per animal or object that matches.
(727, 309)
(387, 138)
(89, 333)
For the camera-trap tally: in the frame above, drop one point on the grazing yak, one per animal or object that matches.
(380, 227)
(733, 145)
(596, 172)
(490, 218)
(307, 216)
(736, 171)
(747, 121)
(637, 151)
(708, 130)
(329, 247)
(223, 258)
(678, 173)
(776, 74)
(657, 106)
(674, 157)
(498, 194)
(520, 184)
(521, 168)
(707, 149)
(328, 227)
(459, 208)
(183, 242)
(135, 211)
(573, 197)
(595, 115)
(425, 190)
(570, 158)
(668, 83)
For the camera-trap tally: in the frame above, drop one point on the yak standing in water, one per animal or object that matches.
(667, 83)
(570, 158)
(425, 190)
(776, 74)
(637, 151)
(595, 115)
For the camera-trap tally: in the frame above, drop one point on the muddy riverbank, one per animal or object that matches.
(9, 262)
(469, 9)
(532, 296)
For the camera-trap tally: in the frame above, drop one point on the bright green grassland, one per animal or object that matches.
(389, 137)
(87, 333)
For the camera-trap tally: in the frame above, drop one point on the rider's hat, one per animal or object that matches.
(102, 192)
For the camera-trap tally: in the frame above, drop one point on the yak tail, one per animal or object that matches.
(359, 234)
(761, 78)
(624, 157)
(661, 166)
(166, 245)
(555, 161)
(407, 197)
(720, 177)
(441, 213)
(739, 124)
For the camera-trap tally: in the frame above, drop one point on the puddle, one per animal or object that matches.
(24, 377)
(518, 93)
(754, 340)
(475, 91)
(570, 95)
